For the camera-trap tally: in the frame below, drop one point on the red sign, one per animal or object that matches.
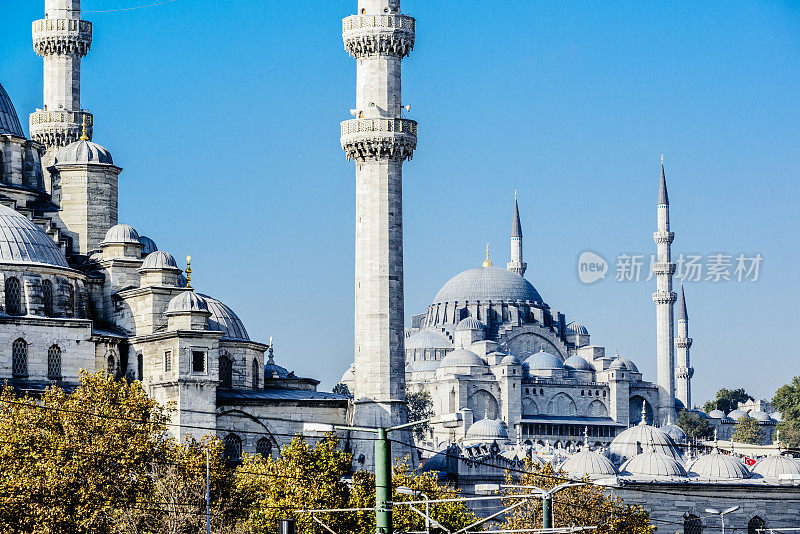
(749, 461)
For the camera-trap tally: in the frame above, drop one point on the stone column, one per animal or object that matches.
(379, 141)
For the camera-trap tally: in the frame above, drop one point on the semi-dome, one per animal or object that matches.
(543, 360)
(640, 438)
(462, 358)
(575, 328)
(470, 323)
(737, 414)
(487, 284)
(486, 430)
(148, 245)
(121, 234)
(716, 414)
(761, 416)
(578, 363)
(224, 319)
(9, 121)
(655, 464)
(589, 463)
(427, 339)
(776, 465)
(187, 302)
(21, 241)
(718, 465)
(83, 151)
(159, 260)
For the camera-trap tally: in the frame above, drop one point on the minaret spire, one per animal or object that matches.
(684, 371)
(664, 299)
(516, 265)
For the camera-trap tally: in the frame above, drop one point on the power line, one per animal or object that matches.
(128, 8)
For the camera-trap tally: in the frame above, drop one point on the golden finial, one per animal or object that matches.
(487, 262)
(662, 159)
(189, 273)
(84, 137)
(515, 194)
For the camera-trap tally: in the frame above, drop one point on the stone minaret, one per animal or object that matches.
(664, 298)
(685, 371)
(379, 141)
(62, 39)
(516, 265)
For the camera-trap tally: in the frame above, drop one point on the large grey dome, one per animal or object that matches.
(84, 151)
(640, 438)
(487, 430)
(462, 358)
(776, 465)
(718, 465)
(485, 284)
(543, 360)
(589, 463)
(9, 121)
(655, 464)
(224, 319)
(21, 241)
(427, 339)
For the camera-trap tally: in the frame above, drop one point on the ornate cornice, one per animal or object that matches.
(661, 237)
(683, 342)
(684, 372)
(660, 268)
(379, 138)
(59, 128)
(62, 36)
(369, 35)
(664, 297)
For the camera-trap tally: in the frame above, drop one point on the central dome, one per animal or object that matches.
(485, 284)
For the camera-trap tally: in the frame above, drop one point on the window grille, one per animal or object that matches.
(264, 447)
(225, 372)
(47, 297)
(19, 358)
(14, 297)
(232, 447)
(167, 361)
(54, 362)
(198, 361)
(255, 374)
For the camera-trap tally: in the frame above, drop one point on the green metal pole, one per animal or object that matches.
(383, 484)
(547, 511)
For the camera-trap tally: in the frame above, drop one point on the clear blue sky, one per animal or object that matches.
(225, 117)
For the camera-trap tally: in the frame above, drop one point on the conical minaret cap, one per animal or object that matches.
(663, 198)
(516, 225)
(682, 306)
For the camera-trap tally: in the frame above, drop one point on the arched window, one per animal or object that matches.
(225, 372)
(19, 358)
(111, 363)
(70, 304)
(692, 525)
(255, 374)
(264, 447)
(232, 447)
(756, 525)
(54, 362)
(47, 298)
(140, 366)
(14, 304)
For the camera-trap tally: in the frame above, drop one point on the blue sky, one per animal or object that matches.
(224, 116)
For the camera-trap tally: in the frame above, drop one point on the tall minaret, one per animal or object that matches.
(62, 39)
(516, 265)
(379, 140)
(685, 371)
(664, 298)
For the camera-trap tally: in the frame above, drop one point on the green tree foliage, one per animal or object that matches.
(727, 400)
(420, 406)
(787, 401)
(585, 505)
(342, 389)
(695, 426)
(747, 430)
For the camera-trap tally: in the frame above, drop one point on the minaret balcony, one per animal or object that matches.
(684, 372)
(62, 36)
(379, 138)
(664, 267)
(388, 34)
(683, 342)
(664, 297)
(661, 237)
(59, 128)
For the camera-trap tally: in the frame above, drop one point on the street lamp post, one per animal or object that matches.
(722, 514)
(546, 495)
(414, 493)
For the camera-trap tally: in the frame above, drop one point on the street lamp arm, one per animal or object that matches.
(407, 425)
(485, 519)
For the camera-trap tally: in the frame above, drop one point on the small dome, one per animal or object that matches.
(510, 359)
(350, 374)
(462, 358)
(761, 416)
(486, 284)
(630, 365)
(543, 360)
(716, 414)
(676, 433)
(159, 260)
(639, 438)
(121, 234)
(699, 413)
(775, 465)
(486, 430)
(589, 463)
(470, 323)
(578, 363)
(619, 363)
(224, 319)
(653, 464)
(9, 121)
(82, 152)
(148, 245)
(21, 241)
(737, 414)
(187, 301)
(427, 339)
(718, 465)
(573, 329)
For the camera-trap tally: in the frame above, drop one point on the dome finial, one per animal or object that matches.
(644, 414)
(84, 137)
(515, 194)
(487, 262)
(189, 273)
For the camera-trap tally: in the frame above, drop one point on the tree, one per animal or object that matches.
(586, 505)
(342, 389)
(747, 430)
(695, 426)
(727, 400)
(420, 406)
(787, 401)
